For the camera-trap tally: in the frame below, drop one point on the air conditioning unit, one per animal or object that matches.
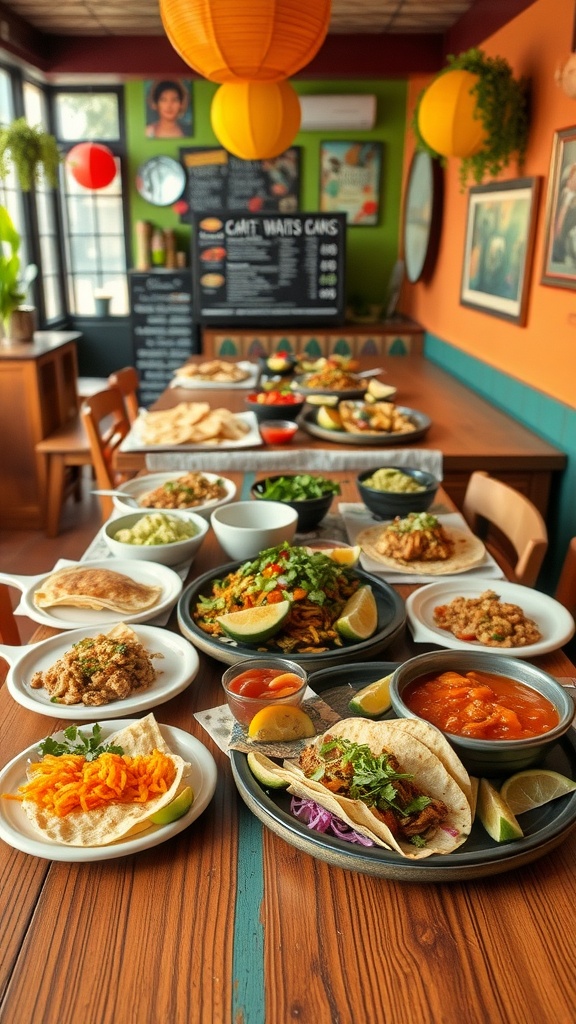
(339, 113)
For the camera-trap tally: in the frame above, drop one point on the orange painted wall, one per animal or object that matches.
(541, 354)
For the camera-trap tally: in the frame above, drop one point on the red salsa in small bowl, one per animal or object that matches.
(277, 431)
(481, 705)
(252, 685)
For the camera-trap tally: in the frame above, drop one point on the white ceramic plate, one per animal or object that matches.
(133, 442)
(553, 620)
(142, 484)
(176, 669)
(193, 383)
(63, 617)
(16, 830)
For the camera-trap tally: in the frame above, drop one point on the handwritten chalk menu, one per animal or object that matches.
(163, 332)
(216, 180)
(277, 270)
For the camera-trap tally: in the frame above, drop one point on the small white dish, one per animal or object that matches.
(141, 485)
(245, 528)
(176, 553)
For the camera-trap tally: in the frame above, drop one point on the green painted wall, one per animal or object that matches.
(371, 251)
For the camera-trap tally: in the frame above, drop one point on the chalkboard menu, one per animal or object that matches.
(216, 180)
(163, 332)
(269, 269)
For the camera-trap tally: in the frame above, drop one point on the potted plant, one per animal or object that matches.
(479, 115)
(13, 283)
(29, 150)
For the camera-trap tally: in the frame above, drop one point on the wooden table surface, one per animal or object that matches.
(227, 922)
(469, 431)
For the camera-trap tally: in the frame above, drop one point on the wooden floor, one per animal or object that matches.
(27, 552)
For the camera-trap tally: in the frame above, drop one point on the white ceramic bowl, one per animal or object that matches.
(245, 528)
(142, 484)
(177, 553)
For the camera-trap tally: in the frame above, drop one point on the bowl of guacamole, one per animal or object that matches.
(172, 538)
(390, 491)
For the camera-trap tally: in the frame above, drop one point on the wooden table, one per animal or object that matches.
(228, 924)
(470, 433)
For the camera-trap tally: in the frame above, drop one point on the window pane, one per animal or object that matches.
(112, 255)
(6, 107)
(81, 216)
(86, 115)
(34, 104)
(51, 297)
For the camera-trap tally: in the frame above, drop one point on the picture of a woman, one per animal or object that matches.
(170, 101)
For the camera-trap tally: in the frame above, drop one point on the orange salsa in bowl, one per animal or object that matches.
(481, 705)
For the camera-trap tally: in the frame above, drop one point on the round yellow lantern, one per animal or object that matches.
(447, 116)
(246, 40)
(255, 120)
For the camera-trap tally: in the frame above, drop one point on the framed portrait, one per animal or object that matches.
(560, 234)
(350, 181)
(169, 110)
(422, 215)
(498, 247)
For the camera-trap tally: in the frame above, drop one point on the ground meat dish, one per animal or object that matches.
(488, 620)
(97, 670)
(185, 492)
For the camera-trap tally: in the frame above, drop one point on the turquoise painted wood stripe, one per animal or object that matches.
(248, 1000)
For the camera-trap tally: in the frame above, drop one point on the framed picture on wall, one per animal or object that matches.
(350, 181)
(560, 235)
(498, 247)
(169, 110)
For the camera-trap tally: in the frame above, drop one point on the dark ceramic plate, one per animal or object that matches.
(544, 828)
(391, 622)
(421, 422)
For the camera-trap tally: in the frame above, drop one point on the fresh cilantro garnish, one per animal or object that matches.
(76, 742)
(300, 487)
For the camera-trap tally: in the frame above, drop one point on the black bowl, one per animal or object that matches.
(311, 511)
(388, 504)
(280, 411)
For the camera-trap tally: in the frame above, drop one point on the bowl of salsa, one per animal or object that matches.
(256, 683)
(499, 714)
(277, 431)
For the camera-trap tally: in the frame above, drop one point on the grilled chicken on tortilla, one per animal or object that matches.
(387, 784)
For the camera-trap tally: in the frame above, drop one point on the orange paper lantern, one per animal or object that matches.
(255, 120)
(446, 117)
(246, 40)
(91, 165)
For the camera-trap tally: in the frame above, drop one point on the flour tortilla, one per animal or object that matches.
(83, 587)
(468, 551)
(106, 825)
(416, 758)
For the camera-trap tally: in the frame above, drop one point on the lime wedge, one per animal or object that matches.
(174, 810)
(534, 787)
(495, 814)
(377, 389)
(262, 768)
(359, 617)
(374, 699)
(328, 418)
(254, 625)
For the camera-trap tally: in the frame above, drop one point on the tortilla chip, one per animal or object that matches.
(83, 587)
(468, 551)
(106, 825)
(192, 423)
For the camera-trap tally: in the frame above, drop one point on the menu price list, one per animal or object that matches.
(253, 268)
(163, 332)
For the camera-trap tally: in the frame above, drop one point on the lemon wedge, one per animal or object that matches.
(280, 722)
(345, 556)
(374, 699)
(328, 418)
(175, 809)
(359, 617)
(534, 787)
(254, 625)
(378, 390)
(495, 814)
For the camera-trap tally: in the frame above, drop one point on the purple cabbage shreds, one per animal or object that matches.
(321, 820)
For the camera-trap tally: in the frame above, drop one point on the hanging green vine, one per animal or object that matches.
(502, 107)
(31, 151)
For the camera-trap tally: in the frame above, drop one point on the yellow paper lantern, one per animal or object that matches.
(246, 40)
(446, 117)
(255, 120)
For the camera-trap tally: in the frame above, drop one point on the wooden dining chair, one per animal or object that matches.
(62, 454)
(127, 380)
(509, 524)
(106, 424)
(566, 588)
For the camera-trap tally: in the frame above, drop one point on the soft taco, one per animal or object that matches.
(119, 817)
(387, 783)
(420, 544)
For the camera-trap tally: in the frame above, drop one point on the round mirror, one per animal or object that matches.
(161, 180)
(422, 215)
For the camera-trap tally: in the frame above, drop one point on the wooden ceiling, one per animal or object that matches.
(367, 38)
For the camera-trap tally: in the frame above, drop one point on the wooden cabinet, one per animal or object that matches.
(37, 395)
